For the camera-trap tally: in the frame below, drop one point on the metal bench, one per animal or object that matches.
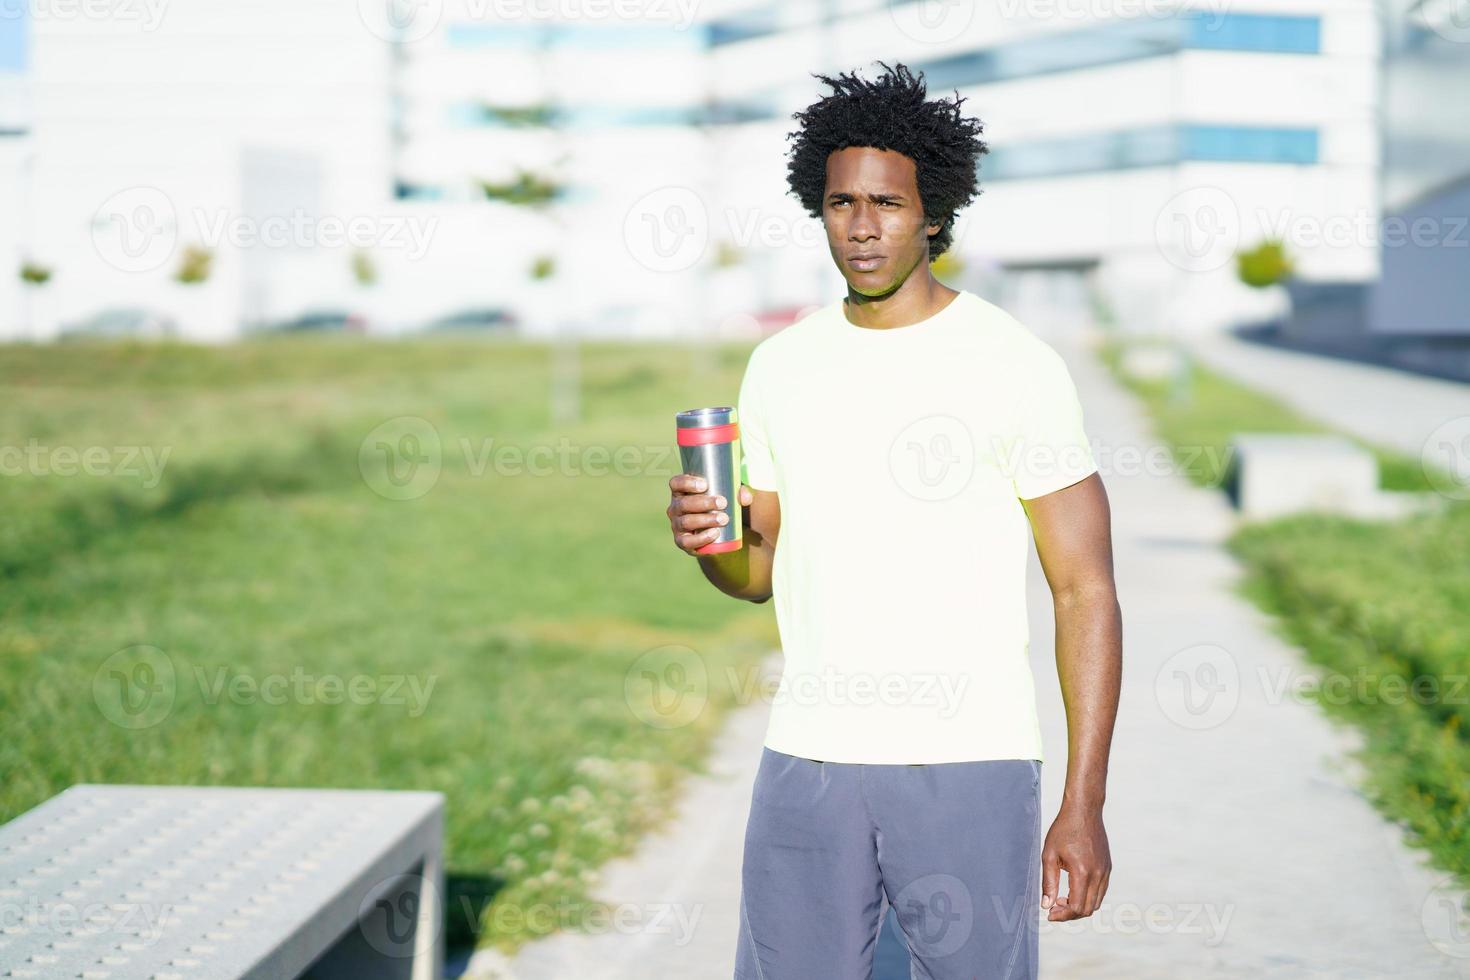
(183, 883)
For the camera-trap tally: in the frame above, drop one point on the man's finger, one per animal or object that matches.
(1099, 889)
(1077, 885)
(1051, 870)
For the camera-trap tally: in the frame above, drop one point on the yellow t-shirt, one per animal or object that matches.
(901, 457)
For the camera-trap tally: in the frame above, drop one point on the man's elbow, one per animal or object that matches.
(1085, 593)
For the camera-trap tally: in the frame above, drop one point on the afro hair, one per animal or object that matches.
(891, 113)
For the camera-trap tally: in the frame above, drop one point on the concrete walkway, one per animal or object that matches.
(1391, 407)
(1240, 846)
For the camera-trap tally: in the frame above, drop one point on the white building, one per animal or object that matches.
(154, 127)
(1131, 156)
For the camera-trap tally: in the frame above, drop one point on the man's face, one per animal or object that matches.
(874, 219)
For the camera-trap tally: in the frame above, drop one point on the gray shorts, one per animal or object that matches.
(954, 848)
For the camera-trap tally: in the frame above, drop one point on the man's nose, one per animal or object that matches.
(864, 225)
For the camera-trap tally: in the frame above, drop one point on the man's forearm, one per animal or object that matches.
(1089, 647)
(742, 574)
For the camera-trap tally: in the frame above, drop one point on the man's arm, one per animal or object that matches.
(1073, 531)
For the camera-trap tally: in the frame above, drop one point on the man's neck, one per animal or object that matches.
(908, 304)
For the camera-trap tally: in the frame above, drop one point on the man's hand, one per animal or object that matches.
(1078, 843)
(695, 516)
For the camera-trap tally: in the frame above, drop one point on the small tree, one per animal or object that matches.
(727, 254)
(195, 265)
(364, 270)
(34, 274)
(1265, 265)
(526, 188)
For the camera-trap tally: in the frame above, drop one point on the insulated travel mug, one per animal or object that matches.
(709, 446)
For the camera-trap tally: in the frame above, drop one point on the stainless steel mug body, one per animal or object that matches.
(709, 446)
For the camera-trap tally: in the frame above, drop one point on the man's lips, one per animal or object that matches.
(865, 262)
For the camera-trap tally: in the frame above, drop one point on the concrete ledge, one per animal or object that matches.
(1275, 474)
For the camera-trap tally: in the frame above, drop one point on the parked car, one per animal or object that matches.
(322, 321)
(478, 318)
(122, 322)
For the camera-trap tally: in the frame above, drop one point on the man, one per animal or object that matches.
(897, 443)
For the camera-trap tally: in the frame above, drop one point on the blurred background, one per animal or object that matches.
(340, 342)
(213, 169)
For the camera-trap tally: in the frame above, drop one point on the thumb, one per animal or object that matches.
(746, 496)
(1051, 872)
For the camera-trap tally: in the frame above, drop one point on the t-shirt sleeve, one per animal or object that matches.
(757, 468)
(1051, 446)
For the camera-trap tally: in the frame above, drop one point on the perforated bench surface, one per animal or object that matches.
(183, 883)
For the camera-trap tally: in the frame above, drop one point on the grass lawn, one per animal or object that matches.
(1383, 608)
(260, 610)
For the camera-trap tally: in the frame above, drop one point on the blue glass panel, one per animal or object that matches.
(1255, 32)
